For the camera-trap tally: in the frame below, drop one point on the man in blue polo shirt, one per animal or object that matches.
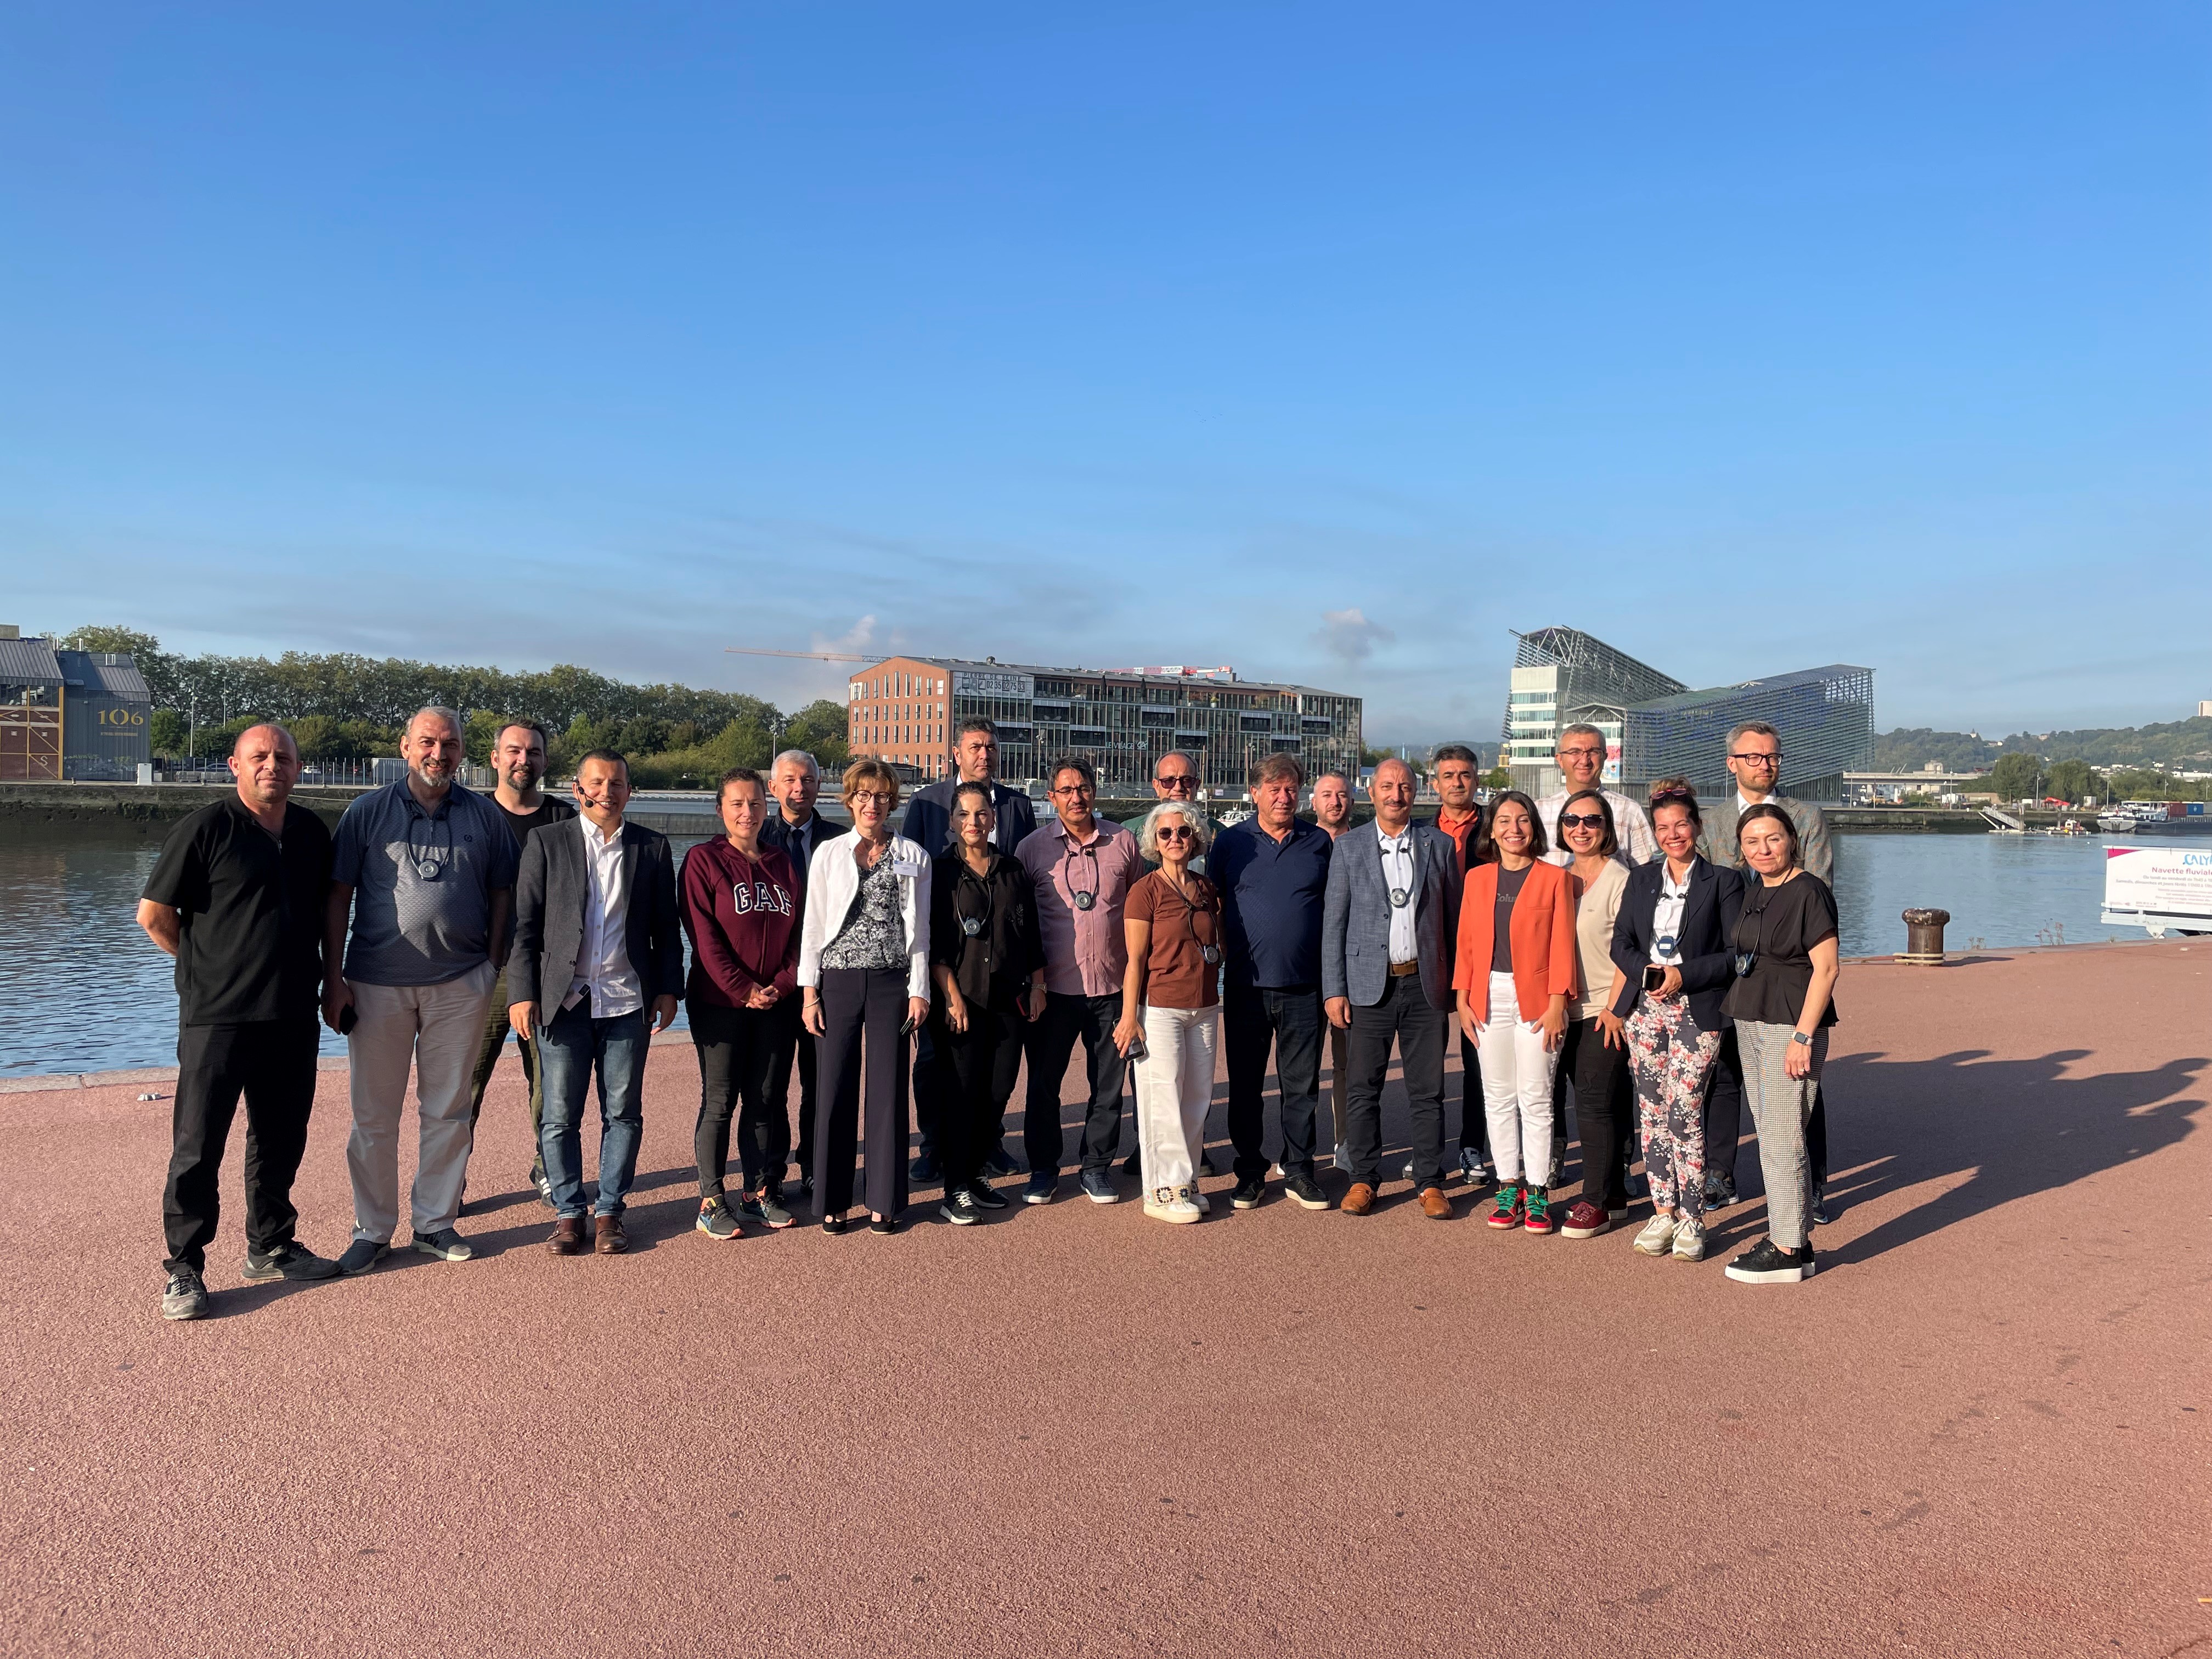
(425, 871)
(1273, 872)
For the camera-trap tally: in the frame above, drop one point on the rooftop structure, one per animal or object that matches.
(906, 709)
(69, 713)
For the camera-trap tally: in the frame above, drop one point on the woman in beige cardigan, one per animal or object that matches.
(1596, 1055)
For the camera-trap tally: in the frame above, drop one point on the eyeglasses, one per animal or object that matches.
(1179, 781)
(1581, 820)
(1075, 789)
(1582, 754)
(875, 795)
(1177, 832)
(1774, 759)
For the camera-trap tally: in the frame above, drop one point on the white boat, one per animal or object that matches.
(2156, 818)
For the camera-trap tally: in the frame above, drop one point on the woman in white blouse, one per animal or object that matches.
(863, 970)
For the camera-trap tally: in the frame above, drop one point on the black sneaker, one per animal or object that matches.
(1767, 1263)
(185, 1295)
(986, 1198)
(716, 1220)
(1720, 1192)
(1305, 1191)
(292, 1260)
(923, 1169)
(1205, 1165)
(1818, 1216)
(769, 1207)
(885, 1227)
(999, 1162)
(360, 1256)
(1249, 1191)
(544, 1183)
(960, 1209)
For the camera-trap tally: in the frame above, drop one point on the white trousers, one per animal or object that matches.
(1516, 1086)
(435, 1030)
(1175, 1087)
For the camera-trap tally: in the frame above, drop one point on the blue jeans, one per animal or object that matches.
(570, 1047)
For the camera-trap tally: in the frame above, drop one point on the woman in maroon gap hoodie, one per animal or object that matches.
(740, 907)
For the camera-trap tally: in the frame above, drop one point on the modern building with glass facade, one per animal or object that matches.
(906, 709)
(1657, 727)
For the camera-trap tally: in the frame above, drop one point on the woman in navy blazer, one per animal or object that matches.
(1670, 941)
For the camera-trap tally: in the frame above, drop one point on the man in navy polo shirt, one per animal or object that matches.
(1273, 871)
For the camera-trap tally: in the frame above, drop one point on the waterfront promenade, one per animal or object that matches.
(1985, 1428)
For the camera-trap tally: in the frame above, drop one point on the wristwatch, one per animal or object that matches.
(1799, 1036)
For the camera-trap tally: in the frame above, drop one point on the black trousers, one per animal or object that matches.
(1050, 1040)
(862, 1010)
(272, 1064)
(931, 1088)
(778, 1094)
(740, 1050)
(1474, 1119)
(1405, 1016)
(1289, 1020)
(1724, 1118)
(1604, 1110)
(975, 1072)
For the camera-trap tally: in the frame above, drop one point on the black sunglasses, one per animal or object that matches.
(1581, 820)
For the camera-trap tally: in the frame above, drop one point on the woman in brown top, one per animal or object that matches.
(1171, 1007)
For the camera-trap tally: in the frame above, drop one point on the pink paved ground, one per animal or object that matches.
(1983, 1430)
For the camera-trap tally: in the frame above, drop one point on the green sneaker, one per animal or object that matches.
(1507, 1213)
(1538, 1209)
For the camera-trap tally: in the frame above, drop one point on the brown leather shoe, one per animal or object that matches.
(1435, 1204)
(567, 1236)
(612, 1240)
(1359, 1200)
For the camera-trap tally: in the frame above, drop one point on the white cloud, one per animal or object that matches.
(1348, 635)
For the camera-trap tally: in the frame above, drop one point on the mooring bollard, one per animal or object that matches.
(1924, 938)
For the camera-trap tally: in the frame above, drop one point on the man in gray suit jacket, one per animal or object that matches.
(1388, 926)
(596, 951)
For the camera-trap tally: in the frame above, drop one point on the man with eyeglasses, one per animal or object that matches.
(1175, 777)
(1581, 755)
(1081, 867)
(1754, 760)
(928, 824)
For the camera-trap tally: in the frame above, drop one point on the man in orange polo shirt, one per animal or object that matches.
(1452, 769)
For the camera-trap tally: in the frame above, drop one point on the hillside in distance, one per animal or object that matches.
(2184, 744)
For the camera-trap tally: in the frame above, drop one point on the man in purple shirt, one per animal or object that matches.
(1081, 868)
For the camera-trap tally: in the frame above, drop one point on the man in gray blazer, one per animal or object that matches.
(1388, 926)
(596, 967)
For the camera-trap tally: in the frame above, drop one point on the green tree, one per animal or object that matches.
(2071, 780)
(2015, 776)
(1498, 778)
(166, 733)
(820, 729)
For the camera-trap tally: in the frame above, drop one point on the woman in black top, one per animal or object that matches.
(1785, 963)
(984, 947)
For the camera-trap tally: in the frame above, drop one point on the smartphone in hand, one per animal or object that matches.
(1654, 976)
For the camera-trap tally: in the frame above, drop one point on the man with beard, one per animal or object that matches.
(425, 871)
(518, 756)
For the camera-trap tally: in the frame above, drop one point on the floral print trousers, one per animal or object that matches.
(1671, 1058)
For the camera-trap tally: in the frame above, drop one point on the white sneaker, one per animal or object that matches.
(1170, 1203)
(1409, 1169)
(1198, 1197)
(1658, 1233)
(1690, 1241)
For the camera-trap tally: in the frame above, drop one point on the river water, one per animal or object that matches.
(82, 989)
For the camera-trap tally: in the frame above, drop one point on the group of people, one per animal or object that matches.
(1666, 961)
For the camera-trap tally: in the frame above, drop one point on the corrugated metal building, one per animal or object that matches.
(105, 709)
(30, 710)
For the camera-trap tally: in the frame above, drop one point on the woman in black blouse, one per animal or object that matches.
(1785, 963)
(984, 949)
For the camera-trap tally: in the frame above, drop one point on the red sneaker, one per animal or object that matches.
(1507, 1213)
(1537, 1208)
(1586, 1220)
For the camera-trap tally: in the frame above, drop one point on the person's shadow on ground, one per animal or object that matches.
(2011, 1128)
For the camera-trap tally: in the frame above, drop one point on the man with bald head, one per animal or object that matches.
(425, 869)
(237, 899)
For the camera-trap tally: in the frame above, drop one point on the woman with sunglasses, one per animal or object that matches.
(1171, 1007)
(863, 970)
(1670, 943)
(1784, 959)
(984, 947)
(1596, 1055)
(1516, 974)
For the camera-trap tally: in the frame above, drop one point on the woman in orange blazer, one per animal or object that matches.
(1517, 972)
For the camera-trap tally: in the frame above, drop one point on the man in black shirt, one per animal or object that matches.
(237, 898)
(518, 756)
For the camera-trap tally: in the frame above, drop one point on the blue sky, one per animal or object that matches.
(1330, 342)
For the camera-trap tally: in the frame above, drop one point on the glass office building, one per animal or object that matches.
(1656, 726)
(907, 710)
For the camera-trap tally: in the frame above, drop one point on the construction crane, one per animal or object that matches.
(806, 656)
